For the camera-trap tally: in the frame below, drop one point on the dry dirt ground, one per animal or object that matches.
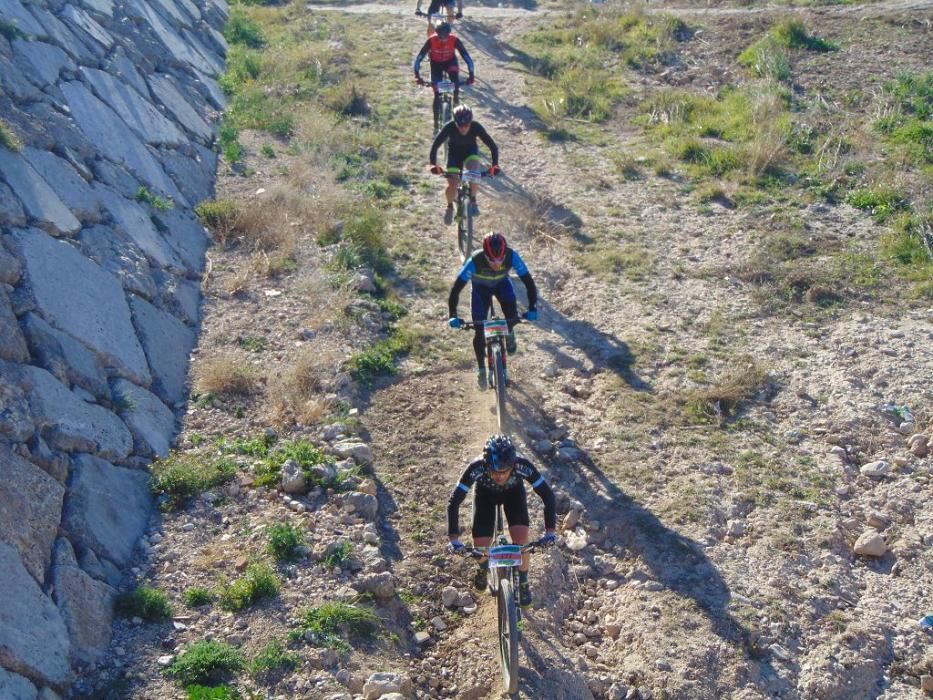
(719, 560)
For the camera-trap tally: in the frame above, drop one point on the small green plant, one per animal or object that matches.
(349, 101)
(10, 31)
(8, 138)
(241, 29)
(145, 196)
(219, 215)
(274, 657)
(882, 203)
(179, 477)
(793, 34)
(267, 150)
(274, 456)
(379, 360)
(361, 241)
(338, 554)
(252, 343)
(767, 58)
(230, 142)
(258, 583)
(149, 603)
(207, 692)
(284, 541)
(206, 663)
(196, 597)
(333, 623)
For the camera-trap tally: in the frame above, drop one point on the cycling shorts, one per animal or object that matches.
(457, 154)
(514, 502)
(435, 7)
(451, 67)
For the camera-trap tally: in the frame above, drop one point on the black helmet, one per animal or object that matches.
(499, 453)
(463, 115)
(442, 29)
(494, 247)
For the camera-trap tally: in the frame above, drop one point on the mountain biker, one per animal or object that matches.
(489, 270)
(498, 477)
(434, 9)
(462, 132)
(441, 47)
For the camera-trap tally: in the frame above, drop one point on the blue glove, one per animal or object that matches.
(455, 322)
(549, 539)
(531, 315)
(456, 546)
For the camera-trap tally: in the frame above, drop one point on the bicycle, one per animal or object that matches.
(462, 214)
(445, 89)
(495, 332)
(505, 556)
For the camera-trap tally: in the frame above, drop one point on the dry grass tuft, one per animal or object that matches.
(224, 375)
(543, 220)
(720, 401)
(299, 394)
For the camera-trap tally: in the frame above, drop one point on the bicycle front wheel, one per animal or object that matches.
(499, 373)
(508, 636)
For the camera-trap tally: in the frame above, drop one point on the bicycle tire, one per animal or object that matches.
(447, 116)
(469, 233)
(492, 577)
(499, 378)
(462, 242)
(508, 636)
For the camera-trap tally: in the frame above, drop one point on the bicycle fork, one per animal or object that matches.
(490, 362)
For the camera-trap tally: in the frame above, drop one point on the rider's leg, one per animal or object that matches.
(480, 299)
(505, 294)
(474, 163)
(516, 512)
(484, 523)
(453, 72)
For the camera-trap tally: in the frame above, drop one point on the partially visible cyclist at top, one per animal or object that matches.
(498, 477)
(434, 9)
(462, 132)
(489, 271)
(441, 48)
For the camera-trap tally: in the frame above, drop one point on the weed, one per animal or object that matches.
(241, 29)
(271, 659)
(258, 583)
(8, 138)
(146, 602)
(361, 241)
(223, 375)
(332, 623)
(179, 477)
(722, 400)
(338, 554)
(206, 663)
(207, 692)
(767, 58)
(629, 261)
(145, 196)
(348, 100)
(252, 344)
(219, 215)
(11, 32)
(380, 359)
(267, 150)
(284, 541)
(794, 35)
(882, 203)
(195, 597)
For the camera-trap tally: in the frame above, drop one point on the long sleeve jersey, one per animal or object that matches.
(442, 51)
(458, 140)
(478, 269)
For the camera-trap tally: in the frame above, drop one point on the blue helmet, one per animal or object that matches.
(499, 453)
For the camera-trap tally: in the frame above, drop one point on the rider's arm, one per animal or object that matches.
(420, 57)
(466, 273)
(456, 498)
(481, 134)
(521, 269)
(442, 136)
(466, 57)
(531, 474)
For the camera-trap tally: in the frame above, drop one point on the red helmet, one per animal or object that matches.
(494, 246)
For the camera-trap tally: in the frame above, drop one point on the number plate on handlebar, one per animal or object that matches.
(505, 555)
(495, 328)
(471, 175)
(445, 86)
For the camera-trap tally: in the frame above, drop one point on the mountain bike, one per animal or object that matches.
(463, 216)
(495, 332)
(502, 579)
(445, 89)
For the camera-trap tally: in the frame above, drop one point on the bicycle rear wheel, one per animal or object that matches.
(463, 241)
(508, 635)
(447, 115)
(499, 375)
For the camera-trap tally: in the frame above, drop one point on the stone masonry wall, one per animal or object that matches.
(111, 105)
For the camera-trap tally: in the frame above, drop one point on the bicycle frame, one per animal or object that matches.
(463, 216)
(495, 331)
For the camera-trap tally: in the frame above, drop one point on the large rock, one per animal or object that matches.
(192, 175)
(94, 35)
(138, 112)
(41, 62)
(183, 48)
(168, 343)
(164, 89)
(13, 12)
(83, 300)
(30, 510)
(116, 253)
(150, 421)
(67, 183)
(60, 34)
(16, 422)
(11, 211)
(180, 297)
(382, 683)
(33, 638)
(86, 605)
(106, 508)
(65, 357)
(186, 236)
(870, 544)
(12, 343)
(65, 421)
(10, 269)
(15, 687)
(362, 504)
(114, 139)
(39, 200)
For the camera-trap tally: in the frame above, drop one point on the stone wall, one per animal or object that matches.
(108, 111)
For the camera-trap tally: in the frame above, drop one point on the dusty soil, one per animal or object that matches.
(719, 559)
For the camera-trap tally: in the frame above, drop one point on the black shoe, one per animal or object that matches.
(449, 216)
(524, 594)
(511, 345)
(459, 15)
(481, 381)
(479, 578)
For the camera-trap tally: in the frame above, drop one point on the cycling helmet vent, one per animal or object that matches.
(499, 453)
(463, 115)
(494, 246)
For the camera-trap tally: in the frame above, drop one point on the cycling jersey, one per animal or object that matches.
(442, 51)
(461, 141)
(476, 473)
(478, 269)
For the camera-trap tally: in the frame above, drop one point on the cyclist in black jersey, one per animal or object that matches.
(434, 8)
(498, 477)
(489, 271)
(462, 132)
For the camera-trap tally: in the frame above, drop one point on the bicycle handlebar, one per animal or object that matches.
(481, 173)
(480, 552)
(469, 325)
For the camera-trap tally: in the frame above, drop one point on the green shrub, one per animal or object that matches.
(284, 541)
(259, 582)
(149, 603)
(196, 597)
(362, 241)
(333, 623)
(767, 58)
(273, 456)
(379, 360)
(219, 215)
(272, 658)
(338, 554)
(10, 31)
(8, 138)
(241, 29)
(206, 663)
(145, 196)
(794, 35)
(179, 477)
(206, 692)
(882, 203)
(243, 65)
